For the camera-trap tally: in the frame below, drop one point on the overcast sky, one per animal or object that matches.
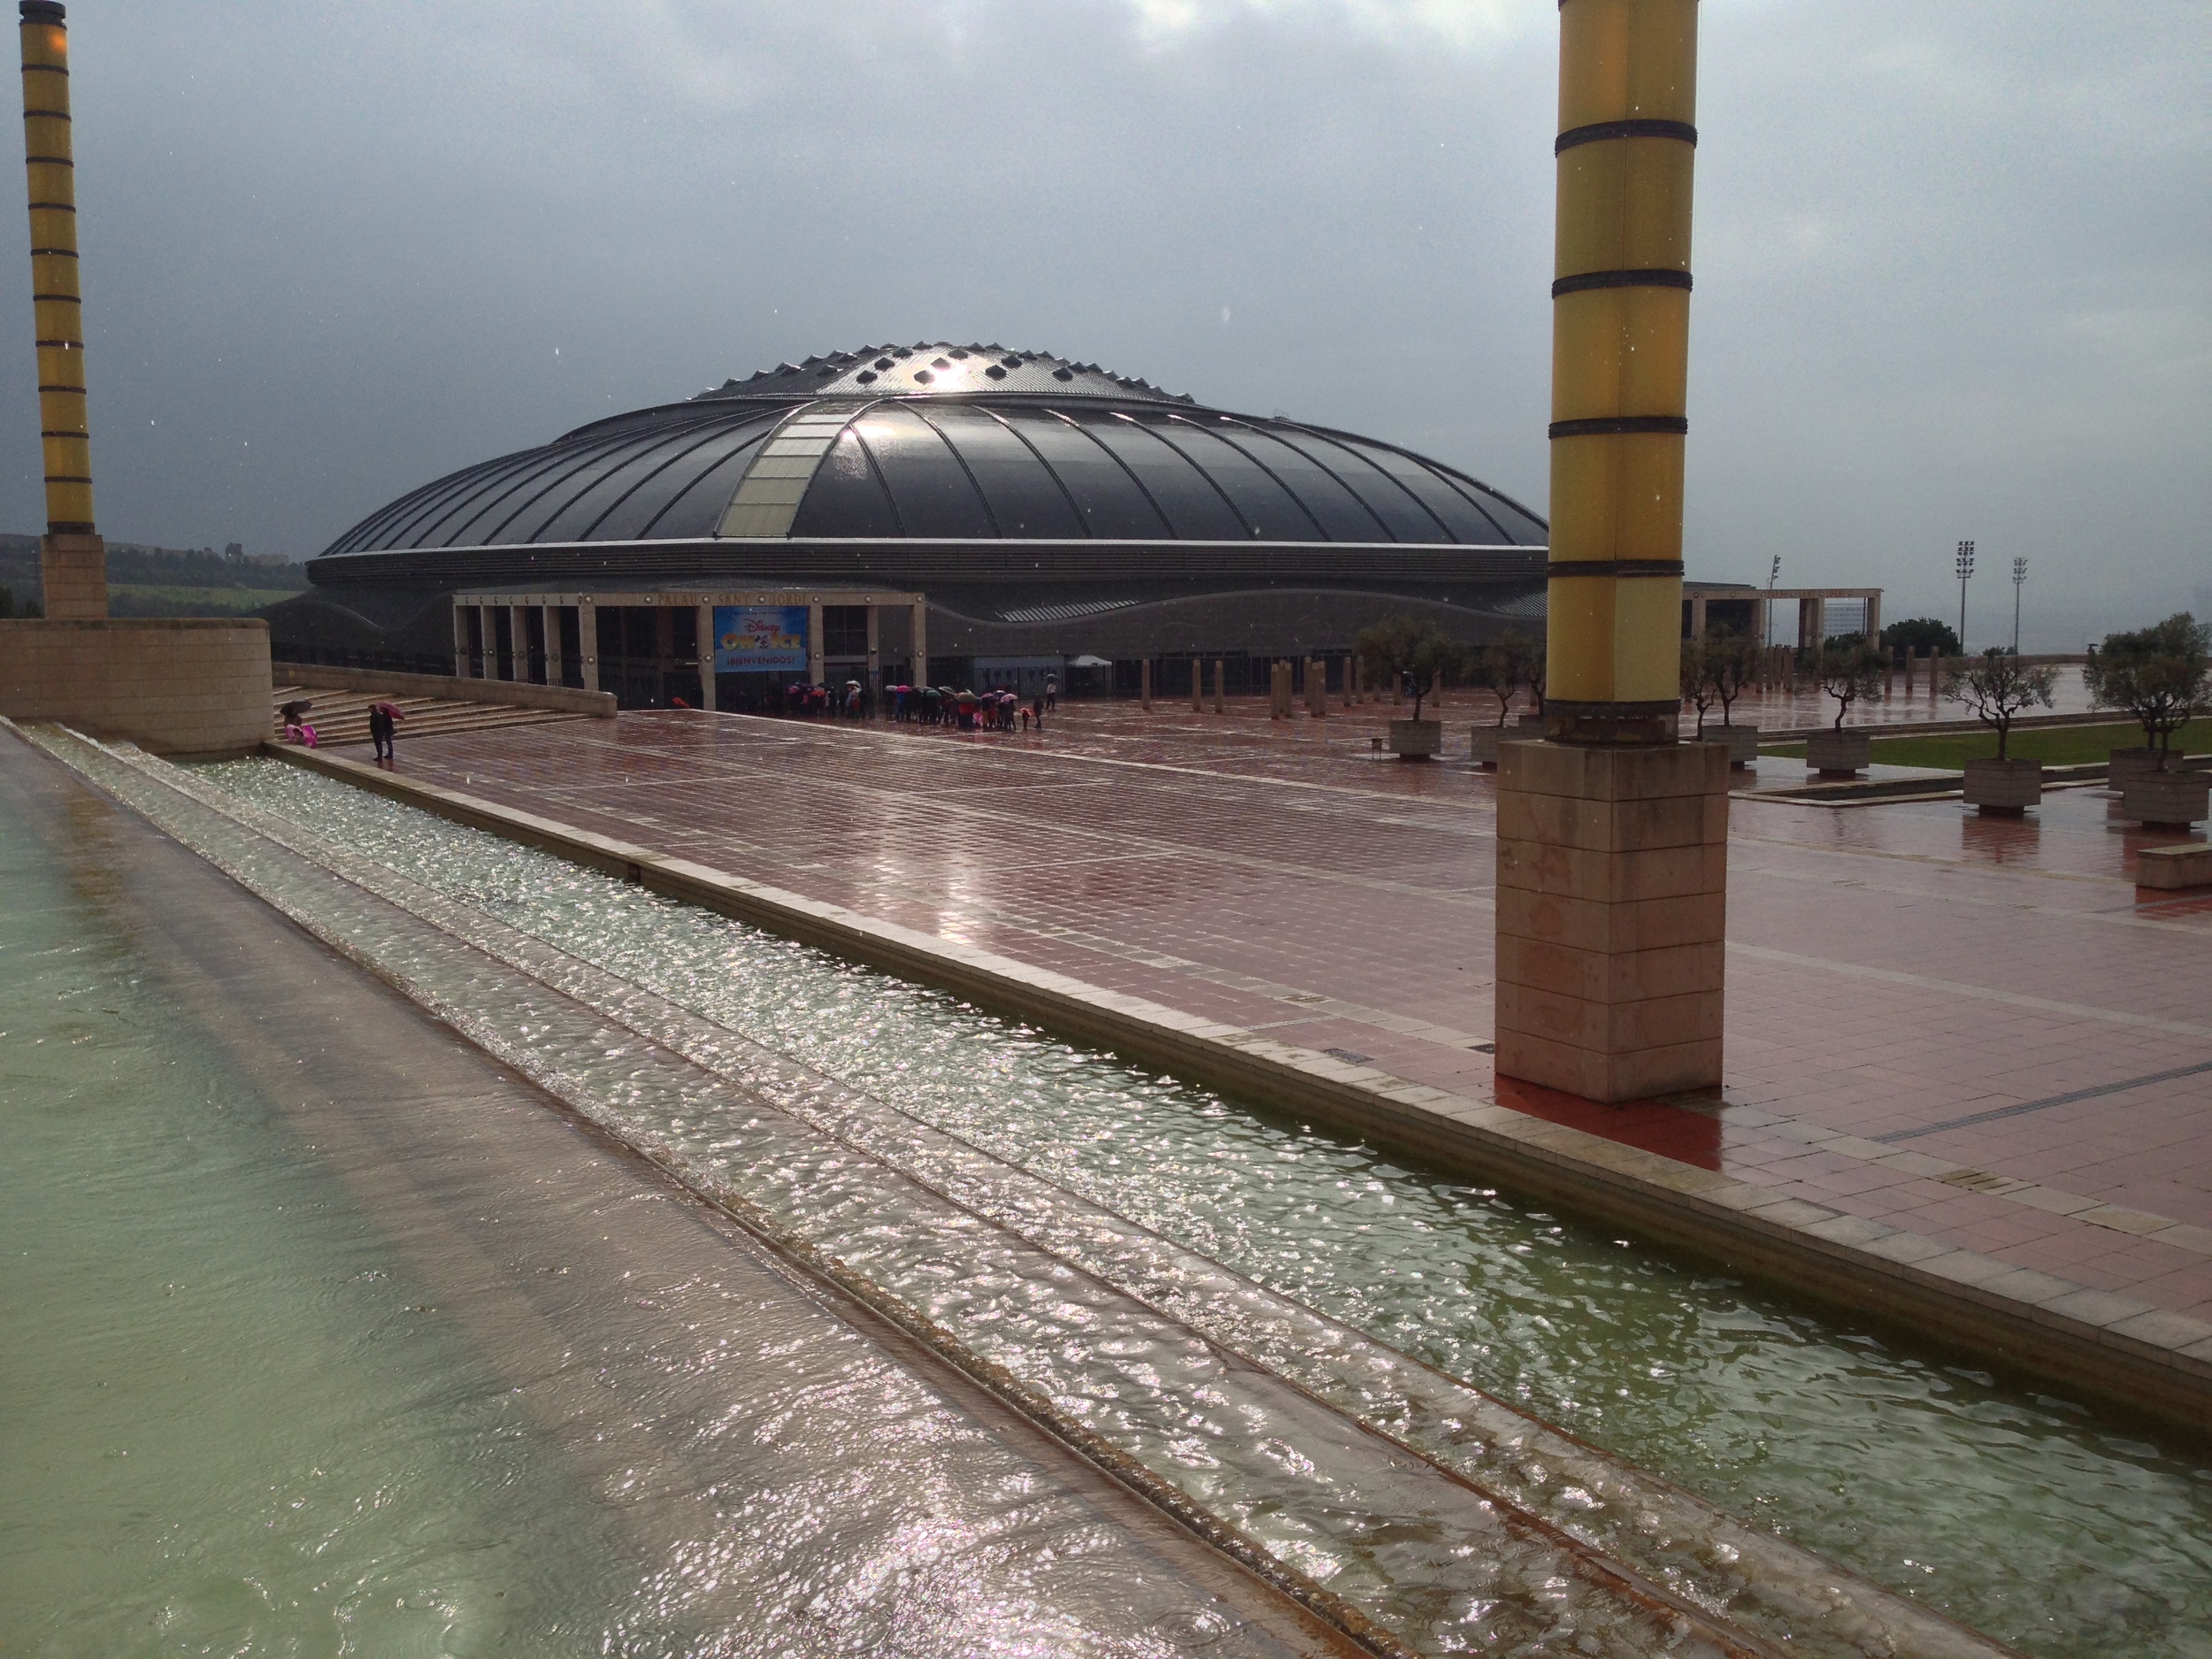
(1951, 259)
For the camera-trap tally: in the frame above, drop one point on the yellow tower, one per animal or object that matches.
(1612, 836)
(72, 558)
(1620, 365)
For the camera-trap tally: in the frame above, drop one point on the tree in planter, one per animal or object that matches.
(1999, 687)
(1483, 675)
(2160, 675)
(1504, 666)
(1731, 668)
(1697, 679)
(1847, 671)
(1921, 634)
(1409, 652)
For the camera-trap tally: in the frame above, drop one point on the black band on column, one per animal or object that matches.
(1613, 567)
(1582, 281)
(1611, 426)
(1597, 132)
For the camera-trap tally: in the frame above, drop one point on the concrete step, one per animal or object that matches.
(342, 717)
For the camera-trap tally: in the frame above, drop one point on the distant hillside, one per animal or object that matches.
(161, 581)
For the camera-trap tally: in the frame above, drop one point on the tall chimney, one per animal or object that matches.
(1612, 836)
(73, 559)
(1620, 361)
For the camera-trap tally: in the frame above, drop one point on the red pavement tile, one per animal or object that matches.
(1892, 968)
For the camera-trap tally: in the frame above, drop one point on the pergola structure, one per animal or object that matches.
(1812, 609)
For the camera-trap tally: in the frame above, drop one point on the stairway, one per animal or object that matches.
(342, 717)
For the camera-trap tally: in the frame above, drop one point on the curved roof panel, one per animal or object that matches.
(953, 443)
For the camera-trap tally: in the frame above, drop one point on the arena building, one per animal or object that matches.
(1017, 513)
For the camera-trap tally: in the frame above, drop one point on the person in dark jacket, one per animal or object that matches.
(380, 729)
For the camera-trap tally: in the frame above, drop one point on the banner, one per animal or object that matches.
(760, 639)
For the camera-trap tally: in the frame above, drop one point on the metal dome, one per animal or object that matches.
(950, 443)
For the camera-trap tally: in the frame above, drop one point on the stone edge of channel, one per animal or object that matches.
(2117, 1346)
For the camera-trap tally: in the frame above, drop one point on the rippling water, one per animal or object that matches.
(180, 1280)
(284, 1375)
(2019, 1514)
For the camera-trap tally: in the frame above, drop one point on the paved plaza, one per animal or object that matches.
(1975, 1030)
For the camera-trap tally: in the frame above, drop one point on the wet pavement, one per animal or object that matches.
(1976, 1030)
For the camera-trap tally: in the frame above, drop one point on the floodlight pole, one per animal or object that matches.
(2019, 577)
(1966, 570)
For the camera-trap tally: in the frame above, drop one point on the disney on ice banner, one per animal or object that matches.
(759, 638)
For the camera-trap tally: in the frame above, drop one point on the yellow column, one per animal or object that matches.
(73, 559)
(1613, 837)
(1620, 353)
(53, 191)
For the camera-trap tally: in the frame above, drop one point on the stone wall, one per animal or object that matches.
(176, 685)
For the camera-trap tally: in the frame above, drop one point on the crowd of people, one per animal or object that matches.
(990, 710)
(818, 701)
(968, 711)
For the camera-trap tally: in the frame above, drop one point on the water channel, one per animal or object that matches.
(1219, 1293)
(322, 1340)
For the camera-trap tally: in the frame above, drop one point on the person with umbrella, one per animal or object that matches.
(297, 729)
(384, 717)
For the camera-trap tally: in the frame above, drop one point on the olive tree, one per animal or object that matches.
(1410, 652)
(1697, 679)
(2160, 675)
(1731, 668)
(1999, 687)
(1504, 666)
(1848, 669)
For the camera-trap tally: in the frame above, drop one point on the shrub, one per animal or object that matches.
(1920, 634)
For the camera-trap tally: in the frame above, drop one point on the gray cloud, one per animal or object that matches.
(1951, 264)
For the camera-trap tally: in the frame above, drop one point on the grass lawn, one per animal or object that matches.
(139, 599)
(2052, 746)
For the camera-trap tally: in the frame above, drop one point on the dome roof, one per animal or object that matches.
(936, 442)
(939, 370)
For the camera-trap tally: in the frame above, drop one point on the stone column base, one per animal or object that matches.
(193, 685)
(1612, 903)
(73, 572)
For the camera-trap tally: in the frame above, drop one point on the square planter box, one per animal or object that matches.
(1416, 740)
(1742, 741)
(2004, 787)
(2127, 764)
(1834, 754)
(1527, 729)
(2167, 797)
